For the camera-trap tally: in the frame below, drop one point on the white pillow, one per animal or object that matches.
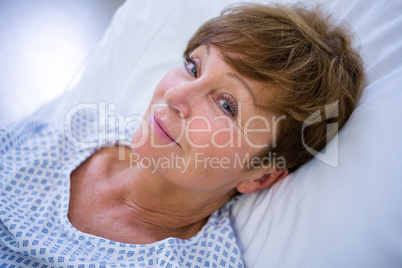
(320, 216)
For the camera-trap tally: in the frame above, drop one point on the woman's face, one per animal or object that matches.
(204, 125)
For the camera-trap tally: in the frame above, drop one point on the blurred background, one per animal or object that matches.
(43, 43)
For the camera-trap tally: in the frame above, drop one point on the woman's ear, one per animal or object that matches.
(266, 180)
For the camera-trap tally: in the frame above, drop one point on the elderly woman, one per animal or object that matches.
(232, 120)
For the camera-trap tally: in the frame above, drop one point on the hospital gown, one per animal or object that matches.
(36, 160)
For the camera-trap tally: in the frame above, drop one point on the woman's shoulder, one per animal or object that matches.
(34, 148)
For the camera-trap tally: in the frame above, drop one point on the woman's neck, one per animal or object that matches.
(134, 205)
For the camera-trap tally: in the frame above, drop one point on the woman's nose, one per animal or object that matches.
(182, 98)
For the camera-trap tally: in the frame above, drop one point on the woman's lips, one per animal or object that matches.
(160, 129)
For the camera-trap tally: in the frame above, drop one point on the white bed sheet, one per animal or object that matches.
(320, 216)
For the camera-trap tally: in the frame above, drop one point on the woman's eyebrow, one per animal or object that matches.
(244, 83)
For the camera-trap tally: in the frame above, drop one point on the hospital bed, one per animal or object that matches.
(341, 209)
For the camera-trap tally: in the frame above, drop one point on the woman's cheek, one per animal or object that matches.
(223, 138)
(214, 143)
(168, 81)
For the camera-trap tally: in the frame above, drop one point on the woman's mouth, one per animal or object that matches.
(160, 130)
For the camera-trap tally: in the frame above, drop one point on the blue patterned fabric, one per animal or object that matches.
(36, 160)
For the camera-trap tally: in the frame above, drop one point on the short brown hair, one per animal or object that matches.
(298, 50)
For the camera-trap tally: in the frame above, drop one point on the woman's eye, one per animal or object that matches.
(228, 104)
(191, 67)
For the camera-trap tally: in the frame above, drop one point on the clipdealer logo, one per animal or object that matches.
(112, 127)
(330, 153)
